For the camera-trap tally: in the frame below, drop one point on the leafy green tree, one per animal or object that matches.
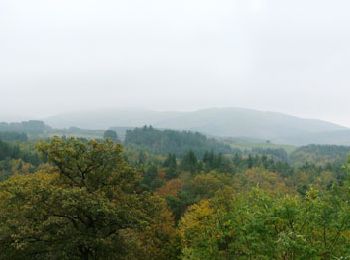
(87, 205)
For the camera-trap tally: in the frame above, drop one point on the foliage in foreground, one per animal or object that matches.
(88, 202)
(258, 226)
(88, 205)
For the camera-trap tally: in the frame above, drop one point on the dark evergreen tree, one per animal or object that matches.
(189, 162)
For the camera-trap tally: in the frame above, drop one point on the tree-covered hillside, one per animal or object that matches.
(220, 122)
(320, 155)
(32, 126)
(175, 142)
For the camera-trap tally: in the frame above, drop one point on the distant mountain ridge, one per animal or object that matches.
(220, 122)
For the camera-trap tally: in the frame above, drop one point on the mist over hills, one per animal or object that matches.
(220, 122)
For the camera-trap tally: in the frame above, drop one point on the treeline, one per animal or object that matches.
(31, 126)
(13, 136)
(175, 142)
(180, 142)
(320, 155)
(278, 154)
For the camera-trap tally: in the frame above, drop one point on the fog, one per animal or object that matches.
(58, 56)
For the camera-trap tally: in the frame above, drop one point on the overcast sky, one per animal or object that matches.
(67, 55)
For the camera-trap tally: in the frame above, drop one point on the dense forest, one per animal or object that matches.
(164, 194)
(170, 141)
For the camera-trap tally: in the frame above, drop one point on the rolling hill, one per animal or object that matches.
(220, 122)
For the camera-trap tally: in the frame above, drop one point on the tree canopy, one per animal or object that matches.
(87, 204)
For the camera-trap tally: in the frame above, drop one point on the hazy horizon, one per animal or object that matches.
(16, 118)
(286, 57)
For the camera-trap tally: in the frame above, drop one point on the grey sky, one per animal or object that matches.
(285, 56)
